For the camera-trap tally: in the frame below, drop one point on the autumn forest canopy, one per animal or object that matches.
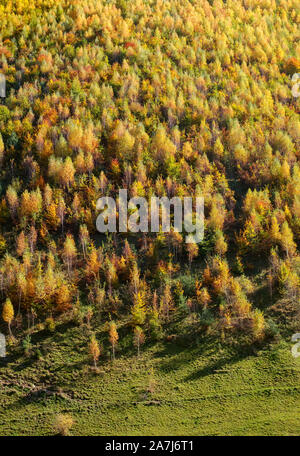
(166, 98)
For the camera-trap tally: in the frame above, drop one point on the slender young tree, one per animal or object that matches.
(69, 251)
(89, 315)
(61, 210)
(138, 310)
(21, 244)
(8, 314)
(287, 240)
(113, 336)
(21, 285)
(94, 350)
(138, 338)
(84, 238)
(192, 250)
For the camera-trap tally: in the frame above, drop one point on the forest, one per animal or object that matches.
(175, 98)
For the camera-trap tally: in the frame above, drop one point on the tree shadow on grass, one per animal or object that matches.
(176, 356)
(41, 399)
(229, 359)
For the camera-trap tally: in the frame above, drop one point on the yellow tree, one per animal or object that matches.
(67, 172)
(31, 203)
(94, 350)
(92, 264)
(63, 298)
(69, 251)
(50, 283)
(287, 239)
(89, 315)
(13, 200)
(218, 148)
(84, 238)
(110, 273)
(221, 244)
(1, 149)
(21, 285)
(113, 336)
(102, 181)
(203, 297)
(21, 244)
(274, 231)
(166, 303)
(258, 324)
(48, 193)
(8, 313)
(61, 210)
(32, 238)
(135, 278)
(80, 162)
(192, 250)
(138, 311)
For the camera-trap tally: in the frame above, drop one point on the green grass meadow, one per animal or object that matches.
(197, 390)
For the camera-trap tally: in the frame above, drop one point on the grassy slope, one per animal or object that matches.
(207, 390)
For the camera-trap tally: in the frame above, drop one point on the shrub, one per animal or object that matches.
(63, 424)
(50, 324)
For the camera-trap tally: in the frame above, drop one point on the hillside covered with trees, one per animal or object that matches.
(168, 98)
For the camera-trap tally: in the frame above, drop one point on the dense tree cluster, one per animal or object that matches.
(167, 98)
